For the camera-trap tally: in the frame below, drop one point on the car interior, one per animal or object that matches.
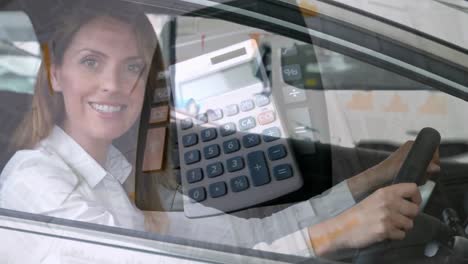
(348, 94)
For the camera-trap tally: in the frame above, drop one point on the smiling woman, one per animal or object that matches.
(102, 80)
(90, 90)
(96, 60)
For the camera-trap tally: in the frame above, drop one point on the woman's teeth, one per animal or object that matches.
(107, 108)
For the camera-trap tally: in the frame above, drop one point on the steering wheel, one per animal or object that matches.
(426, 228)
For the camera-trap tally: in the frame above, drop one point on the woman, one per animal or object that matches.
(90, 91)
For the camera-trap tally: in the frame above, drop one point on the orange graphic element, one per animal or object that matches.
(307, 8)
(435, 105)
(266, 117)
(361, 101)
(318, 241)
(397, 105)
(154, 150)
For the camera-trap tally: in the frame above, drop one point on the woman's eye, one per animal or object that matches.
(90, 63)
(135, 68)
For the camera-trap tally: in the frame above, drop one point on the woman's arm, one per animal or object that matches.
(320, 216)
(387, 213)
(271, 233)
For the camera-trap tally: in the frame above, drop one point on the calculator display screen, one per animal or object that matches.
(219, 82)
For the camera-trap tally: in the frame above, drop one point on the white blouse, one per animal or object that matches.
(58, 178)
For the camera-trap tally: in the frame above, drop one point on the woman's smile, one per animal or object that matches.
(107, 108)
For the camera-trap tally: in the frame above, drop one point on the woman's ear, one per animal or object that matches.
(54, 78)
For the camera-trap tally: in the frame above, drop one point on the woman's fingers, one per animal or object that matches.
(390, 167)
(407, 208)
(408, 190)
(396, 234)
(387, 213)
(403, 150)
(402, 222)
(433, 168)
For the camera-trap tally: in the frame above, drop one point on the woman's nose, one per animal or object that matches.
(110, 81)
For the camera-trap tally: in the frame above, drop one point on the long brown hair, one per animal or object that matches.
(47, 107)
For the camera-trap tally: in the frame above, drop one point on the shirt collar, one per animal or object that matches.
(85, 165)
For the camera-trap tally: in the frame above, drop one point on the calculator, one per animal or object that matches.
(233, 146)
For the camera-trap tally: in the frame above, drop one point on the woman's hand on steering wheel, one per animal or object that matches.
(392, 165)
(386, 214)
(383, 173)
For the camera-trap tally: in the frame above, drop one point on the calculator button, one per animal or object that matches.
(192, 156)
(194, 175)
(231, 110)
(235, 164)
(197, 194)
(266, 117)
(189, 140)
(231, 146)
(214, 169)
(292, 72)
(276, 152)
(258, 168)
(247, 105)
(239, 183)
(261, 100)
(202, 118)
(215, 114)
(282, 172)
(186, 123)
(271, 134)
(251, 140)
(208, 134)
(228, 129)
(293, 94)
(217, 189)
(246, 123)
(211, 151)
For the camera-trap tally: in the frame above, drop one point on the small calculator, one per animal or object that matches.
(233, 147)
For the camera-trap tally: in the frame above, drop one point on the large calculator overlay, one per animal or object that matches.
(233, 146)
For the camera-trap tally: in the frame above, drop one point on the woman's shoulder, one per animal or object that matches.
(40, 159)
(36, 173)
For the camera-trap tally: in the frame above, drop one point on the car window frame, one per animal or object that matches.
(397, 57)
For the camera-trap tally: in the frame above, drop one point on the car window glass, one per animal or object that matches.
(380, 107)
(210, 161)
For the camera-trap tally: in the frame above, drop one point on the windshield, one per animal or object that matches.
(233, 132)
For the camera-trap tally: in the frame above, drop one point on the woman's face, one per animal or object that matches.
(102, 79)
